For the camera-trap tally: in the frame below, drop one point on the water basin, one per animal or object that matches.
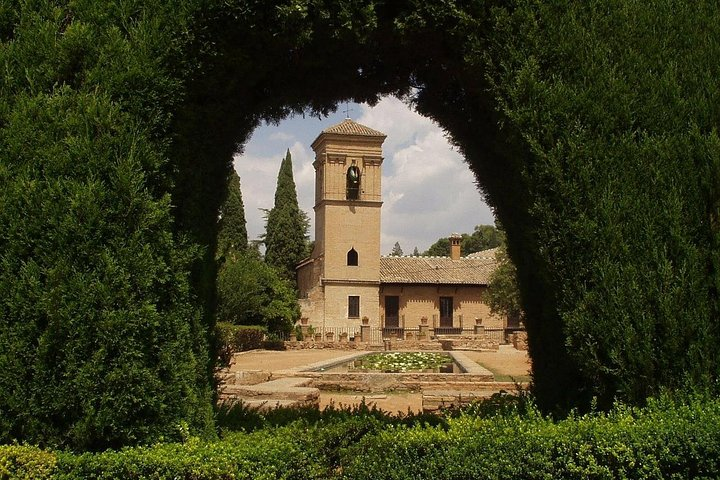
(396, 362)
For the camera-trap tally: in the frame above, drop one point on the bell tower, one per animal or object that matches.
(348, 200)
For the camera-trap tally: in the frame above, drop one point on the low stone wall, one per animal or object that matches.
(394, 345)
(443, 397)
(475, 343)
(242, 377)
(372, 382)
(302, 345)
(410, 344)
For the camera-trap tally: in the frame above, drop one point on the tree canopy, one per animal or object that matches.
(232, 230)
(397, 250)
(503, 294)
(286, 226)
(250, 292)
(483, 237)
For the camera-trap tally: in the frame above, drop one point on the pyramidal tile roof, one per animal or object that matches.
(474, 270)
(349, 127)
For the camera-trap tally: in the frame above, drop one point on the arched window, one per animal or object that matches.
(352, 258)
(353, 183)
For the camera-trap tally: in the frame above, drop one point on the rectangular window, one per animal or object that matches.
(353, 306)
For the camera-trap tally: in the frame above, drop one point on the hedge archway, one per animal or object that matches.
(591, 129)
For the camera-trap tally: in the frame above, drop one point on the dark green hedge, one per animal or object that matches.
(659, 442)
(664, 440)
(591, 127)
(101, 335)
(619, 163)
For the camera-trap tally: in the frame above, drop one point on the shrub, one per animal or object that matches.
(280, 453)
(273, 342)
(237, 338)
(253, 293)
(24, 462)
(667, 439)
(102, 343)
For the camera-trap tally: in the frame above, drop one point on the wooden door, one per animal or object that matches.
(446, 311)
(392, 311)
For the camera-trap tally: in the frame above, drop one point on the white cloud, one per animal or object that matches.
(428, 190)
(258, 179)
(281, 137)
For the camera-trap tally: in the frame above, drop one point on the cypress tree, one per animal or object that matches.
(232, 232)
(286, 226)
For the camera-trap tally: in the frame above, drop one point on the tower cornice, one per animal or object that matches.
(350, 203)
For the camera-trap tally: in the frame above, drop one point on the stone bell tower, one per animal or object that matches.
(346, 257)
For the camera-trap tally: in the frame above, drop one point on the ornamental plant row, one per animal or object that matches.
(665, 439)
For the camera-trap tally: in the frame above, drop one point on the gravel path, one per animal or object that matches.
(269, 360)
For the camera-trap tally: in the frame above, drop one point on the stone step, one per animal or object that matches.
(289, 388)
(433, 400)
(271, 403)
(246, 377)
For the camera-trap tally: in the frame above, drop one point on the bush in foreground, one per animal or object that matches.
(666, 439)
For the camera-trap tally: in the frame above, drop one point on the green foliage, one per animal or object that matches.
(667, 439)
(657, 442)
(619, 159)
(232, 232)
(483, 237)
(100, 333)
(233, 338)
(97, 326)
(286, 228)
(264, 455)
(441, 248)
(397, 251)
(273, 342)
(503, 295)
(23, 462)
(250, 292)
(592, 127)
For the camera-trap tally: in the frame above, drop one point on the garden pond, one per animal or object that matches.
(398, 362)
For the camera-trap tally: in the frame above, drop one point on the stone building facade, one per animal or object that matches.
(346, 279)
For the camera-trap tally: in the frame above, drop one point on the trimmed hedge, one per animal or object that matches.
(663, 440)
(26, 462)
(591, 127)
(238, 338)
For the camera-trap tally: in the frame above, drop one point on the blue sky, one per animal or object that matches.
(428, 190)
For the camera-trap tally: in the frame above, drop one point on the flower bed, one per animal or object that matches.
(401, 362)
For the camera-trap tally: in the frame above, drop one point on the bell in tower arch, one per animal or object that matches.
(353, 183)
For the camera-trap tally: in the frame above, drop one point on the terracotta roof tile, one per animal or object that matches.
(489, 253)
(349, 127)
(437, 270)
